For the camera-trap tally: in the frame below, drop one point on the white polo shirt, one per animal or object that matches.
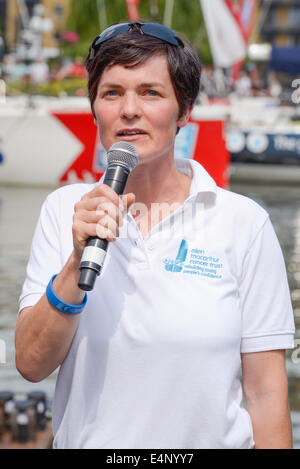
(156, 358)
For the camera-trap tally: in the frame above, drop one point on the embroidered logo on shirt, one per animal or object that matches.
(194, 262)
(177, 264)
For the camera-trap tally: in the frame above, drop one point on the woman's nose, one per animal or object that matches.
(130, 107)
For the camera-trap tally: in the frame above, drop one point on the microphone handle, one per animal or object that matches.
(94, 253)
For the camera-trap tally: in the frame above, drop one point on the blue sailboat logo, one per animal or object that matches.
(176, 265)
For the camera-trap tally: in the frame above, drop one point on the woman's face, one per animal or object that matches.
(138, 105)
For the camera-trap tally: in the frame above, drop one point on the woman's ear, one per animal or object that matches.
(183, 120)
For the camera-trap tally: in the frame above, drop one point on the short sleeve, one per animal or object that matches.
(44, 260)
(267, 314)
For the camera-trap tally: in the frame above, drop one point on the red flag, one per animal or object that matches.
(132, 9)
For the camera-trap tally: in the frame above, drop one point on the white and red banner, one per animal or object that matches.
(48, 146)
(229, 25)
(244, 13)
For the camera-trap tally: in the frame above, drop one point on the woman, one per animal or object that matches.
(153, 360)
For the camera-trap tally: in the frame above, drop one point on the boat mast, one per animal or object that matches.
(265, 8)
(102, 14)
(23, 13)
(168, 14)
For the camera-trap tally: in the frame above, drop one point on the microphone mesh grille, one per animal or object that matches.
(124, 153)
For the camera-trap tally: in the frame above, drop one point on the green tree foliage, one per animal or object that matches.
(187, 18)
(83, 19)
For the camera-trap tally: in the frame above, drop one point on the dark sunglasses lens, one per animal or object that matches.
(112, 31)
(161, 32)
(152, 29)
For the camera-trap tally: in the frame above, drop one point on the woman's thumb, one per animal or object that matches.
(128, 200)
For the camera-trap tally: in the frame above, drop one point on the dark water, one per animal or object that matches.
(19, 210)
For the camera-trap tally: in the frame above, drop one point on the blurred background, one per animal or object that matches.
(245, 130)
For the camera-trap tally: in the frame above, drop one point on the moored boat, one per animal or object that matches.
(25, 421)
(51, 141)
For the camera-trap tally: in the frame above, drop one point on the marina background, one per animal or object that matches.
(250, 108)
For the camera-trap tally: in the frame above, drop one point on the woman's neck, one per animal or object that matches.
(157, 182)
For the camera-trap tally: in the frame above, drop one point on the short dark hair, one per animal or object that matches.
(133, 48)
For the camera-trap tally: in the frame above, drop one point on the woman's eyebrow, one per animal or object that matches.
(108, 84)
(151, 85)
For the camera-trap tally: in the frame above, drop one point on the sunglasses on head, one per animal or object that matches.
(151, 29)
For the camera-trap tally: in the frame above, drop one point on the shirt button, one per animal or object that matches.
(150, 247)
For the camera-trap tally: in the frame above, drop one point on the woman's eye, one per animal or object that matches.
(111, 93)
(152, 93)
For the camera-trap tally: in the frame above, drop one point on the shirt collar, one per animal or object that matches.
(201, 180)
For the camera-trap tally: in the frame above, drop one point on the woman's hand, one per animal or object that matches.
(43, 334)
(98, 213)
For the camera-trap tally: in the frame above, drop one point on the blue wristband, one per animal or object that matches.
(60, 304)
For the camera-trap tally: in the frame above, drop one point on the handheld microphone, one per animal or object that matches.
(122, 158)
